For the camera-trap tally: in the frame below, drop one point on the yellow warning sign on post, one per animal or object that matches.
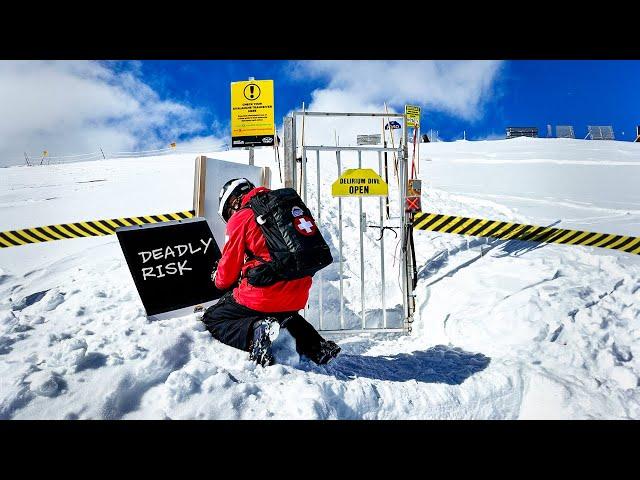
(252, 114)
(360, 182)
(413, 115)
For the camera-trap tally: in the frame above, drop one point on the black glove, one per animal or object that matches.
(217, 293)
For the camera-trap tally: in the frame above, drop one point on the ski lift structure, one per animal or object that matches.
(600, 132)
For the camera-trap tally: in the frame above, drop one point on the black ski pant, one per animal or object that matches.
(232, 324)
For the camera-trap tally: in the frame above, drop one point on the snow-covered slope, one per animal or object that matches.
(502, 329)
(588, 185)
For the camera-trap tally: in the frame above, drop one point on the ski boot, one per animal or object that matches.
(264, 332)
(327, 351)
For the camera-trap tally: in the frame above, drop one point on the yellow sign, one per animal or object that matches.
(360, 182)
(413, 115)
(252, 114)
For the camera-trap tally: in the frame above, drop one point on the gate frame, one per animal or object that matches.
(291, 181)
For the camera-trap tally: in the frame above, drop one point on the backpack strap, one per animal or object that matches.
(250, 254)
(256, 275)
(253, 256)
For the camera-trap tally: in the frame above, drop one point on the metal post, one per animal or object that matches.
(362, 227)
(303, 194)
(418, 157)
(319, 226)
(384, 285)
(199, 190)
(340, 246)
(403, 215)
(347, 114)
(304, 174)
(295, 153)
(289, 166)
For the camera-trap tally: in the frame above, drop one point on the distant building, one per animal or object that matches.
(638, 133)
(513, 132)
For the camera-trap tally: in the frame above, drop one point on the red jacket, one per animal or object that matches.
(243, 233)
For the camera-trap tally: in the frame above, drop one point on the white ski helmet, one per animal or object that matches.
(236, 187)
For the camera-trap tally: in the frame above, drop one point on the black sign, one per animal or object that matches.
(253, 141)
(171, 263)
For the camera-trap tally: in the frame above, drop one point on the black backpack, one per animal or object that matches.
(295, 244)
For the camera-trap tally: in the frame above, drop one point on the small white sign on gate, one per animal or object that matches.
(369, 139)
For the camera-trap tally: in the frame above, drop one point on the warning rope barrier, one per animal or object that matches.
(93, 228)
(477, 227)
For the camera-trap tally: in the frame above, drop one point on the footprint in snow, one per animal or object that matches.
(5, 345)
(54, 301)
(29, 300)
(46, 384)
(622, 353)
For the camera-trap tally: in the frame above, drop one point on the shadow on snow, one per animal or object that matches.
(439, 364)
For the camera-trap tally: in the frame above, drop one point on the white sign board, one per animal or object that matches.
(211, 175)
(369, 139)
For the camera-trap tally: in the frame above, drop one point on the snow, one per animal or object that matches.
(502, 329)
(545, 179)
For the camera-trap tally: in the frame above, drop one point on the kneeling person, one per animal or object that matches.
(249, 317)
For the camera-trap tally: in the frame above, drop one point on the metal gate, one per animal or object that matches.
(378, 273)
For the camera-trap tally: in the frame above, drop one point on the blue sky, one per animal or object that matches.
(73, 107)
(525, 93)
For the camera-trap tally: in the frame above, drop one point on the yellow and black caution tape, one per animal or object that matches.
(478, 227)
(93, 228)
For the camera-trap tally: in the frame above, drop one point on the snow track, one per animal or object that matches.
(503, 329)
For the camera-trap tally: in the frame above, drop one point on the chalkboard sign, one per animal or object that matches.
(171, 264)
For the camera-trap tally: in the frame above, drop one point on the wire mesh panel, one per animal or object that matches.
(601, 132)
(565, 131)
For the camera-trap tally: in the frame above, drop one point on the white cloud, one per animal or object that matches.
(69, 107)
(457, 88)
